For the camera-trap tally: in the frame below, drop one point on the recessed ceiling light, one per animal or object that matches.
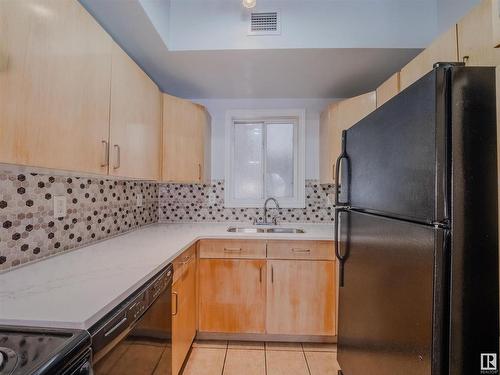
(249, 3)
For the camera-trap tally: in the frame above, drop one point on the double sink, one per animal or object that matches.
(264, 230)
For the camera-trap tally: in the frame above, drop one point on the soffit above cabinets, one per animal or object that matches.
(197, 49)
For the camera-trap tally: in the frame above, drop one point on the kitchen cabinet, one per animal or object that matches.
(186, 141)
(388, 89)
(232, 295)
(475, 36)
(55, 76)
(442, 49)
(301, 297)
(183, 308)
(289, 290)
(337, 117)
(135, 124)
(328, 144)
(495, 18)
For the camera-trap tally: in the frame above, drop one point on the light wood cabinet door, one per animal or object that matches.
(301, 297)
(353, 110)
(388, 89)
(442, 49)
(55, 75)
(135, 125)
(186, 141)
(475, 37)
(232, 295)
(495, 17)
(328, 144)
(337, 117)
(184, 314)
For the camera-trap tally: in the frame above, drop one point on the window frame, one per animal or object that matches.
(249, 115)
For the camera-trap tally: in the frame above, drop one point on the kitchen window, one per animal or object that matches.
(265, 158)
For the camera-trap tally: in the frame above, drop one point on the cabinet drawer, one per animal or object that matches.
(312, 250)
(248, 249)
(182, 262)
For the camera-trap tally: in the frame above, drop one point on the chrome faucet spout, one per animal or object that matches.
(265, 210)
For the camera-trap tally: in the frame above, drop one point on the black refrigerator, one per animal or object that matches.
(417, 231)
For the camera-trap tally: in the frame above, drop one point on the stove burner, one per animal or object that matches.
(8, 361)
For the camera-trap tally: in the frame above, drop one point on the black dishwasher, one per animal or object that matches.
(136, 337)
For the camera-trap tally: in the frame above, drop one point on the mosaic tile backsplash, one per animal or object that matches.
(96, 208)
(205, 203)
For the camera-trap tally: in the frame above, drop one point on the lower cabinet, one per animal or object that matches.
(289, 290)
(232, 295)
(183, 311)
(301, 297)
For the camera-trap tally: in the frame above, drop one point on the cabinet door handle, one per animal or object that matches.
(232, 249)
(296, 250)
(199, 172)
(272, 274)
(260, 274)
(333, 171)
(118, 157)
(176, 303)
(105, 154)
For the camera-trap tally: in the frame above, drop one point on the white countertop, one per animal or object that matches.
(76, 289)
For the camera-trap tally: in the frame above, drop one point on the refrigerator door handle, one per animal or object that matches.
(338, 165)
(341, 258)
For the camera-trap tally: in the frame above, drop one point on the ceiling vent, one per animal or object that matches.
(264, 23)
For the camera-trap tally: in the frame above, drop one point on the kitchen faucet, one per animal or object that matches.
(264, 221)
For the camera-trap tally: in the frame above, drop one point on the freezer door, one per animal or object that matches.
(390, 305)
(395, 162)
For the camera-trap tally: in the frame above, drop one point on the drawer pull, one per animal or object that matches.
(296, 250)
(176, 303)
(232, 249)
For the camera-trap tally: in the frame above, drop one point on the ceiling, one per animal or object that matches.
(270, 72)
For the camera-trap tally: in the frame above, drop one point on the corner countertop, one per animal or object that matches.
(78, 288)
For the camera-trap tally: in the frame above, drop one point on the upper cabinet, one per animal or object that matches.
(388, 89)
(475, 36)
(495, 17)
(328, 144)
(55, 74)
(135, 124)
(186, 141)
(337, 117)
(443, 49)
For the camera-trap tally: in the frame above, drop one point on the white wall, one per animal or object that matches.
(219, 24)
(218, 108)
(450, 11)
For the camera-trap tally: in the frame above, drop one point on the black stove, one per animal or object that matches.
(40, 351)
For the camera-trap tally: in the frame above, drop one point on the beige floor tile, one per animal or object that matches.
(286, 363)
(322, 363)
(290, 346)
(249, 345)
(205, 361)
(248, 362)
(214, 344)
(319, 347)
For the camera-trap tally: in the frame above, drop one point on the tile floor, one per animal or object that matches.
(258, 358)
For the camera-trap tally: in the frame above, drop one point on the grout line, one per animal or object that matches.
(225, 356)
(305, 358)
(265, 358)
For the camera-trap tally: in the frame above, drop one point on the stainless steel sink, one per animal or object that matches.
(284, 230)
(264, 230)
(246, 230)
